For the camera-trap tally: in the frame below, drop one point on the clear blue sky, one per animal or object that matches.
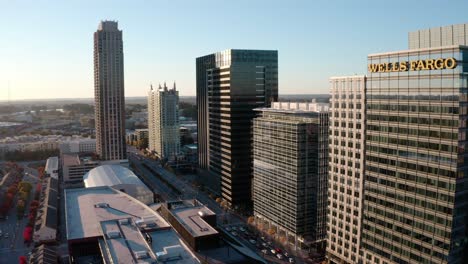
(46, 47)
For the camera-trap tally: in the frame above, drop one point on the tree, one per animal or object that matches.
(271, 231)
(26, 186)
(219, 200)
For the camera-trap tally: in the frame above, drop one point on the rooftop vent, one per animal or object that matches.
(124, 221)
(141, 254)
(101, 205)
(113, 234)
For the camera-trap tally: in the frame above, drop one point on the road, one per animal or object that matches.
(12, 248)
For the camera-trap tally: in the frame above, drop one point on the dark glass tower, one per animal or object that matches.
(109, 96)
(230, 84)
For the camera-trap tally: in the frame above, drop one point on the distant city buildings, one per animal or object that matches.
(78, 146)
(290, 171)
(346, 168)
(230, 84)
(109, 94)
(163, 122)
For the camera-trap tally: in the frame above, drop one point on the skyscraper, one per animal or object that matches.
(230, 84)
(346, 168)
(109, 94)
(290, 168)
(416, 183)
(163, 122)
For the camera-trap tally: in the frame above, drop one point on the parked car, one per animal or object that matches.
(263, 238)
(242, 229)
(278, 250)
(291, 260)
(234, 233)
(6, 235)
(265, 251)
(264, 244)
(279, 256)
(252, 241)
(286, 254)
(234, 228)
(228, 229)
(273, 251)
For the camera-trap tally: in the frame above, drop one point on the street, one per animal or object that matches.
(12, 247)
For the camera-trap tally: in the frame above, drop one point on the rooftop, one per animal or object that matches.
(110, 175)
(52, 164)
(85, 208)
(190, 216)
(296, 107)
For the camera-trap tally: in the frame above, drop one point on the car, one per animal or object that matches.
(286, 254)
(269, 243)
(278, 250)
(262, 238)
(7, 235)
(264, 244)
(234, 228)
(273, 251)
(228, 229)
(234, 233)
(265, 251)
(242, 229)
(291, 260)
(279, 256)
(253, 242)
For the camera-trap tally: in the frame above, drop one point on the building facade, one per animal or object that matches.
(346, 168)
(416, 190)
(109, 94)
(163, 122)
(290, 171)
(230, 84)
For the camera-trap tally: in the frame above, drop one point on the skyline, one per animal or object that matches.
(56, 51)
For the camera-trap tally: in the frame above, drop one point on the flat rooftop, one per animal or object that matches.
(86, 208)
(71, 159)
(190, 217)
(51, 164)
(169, 248)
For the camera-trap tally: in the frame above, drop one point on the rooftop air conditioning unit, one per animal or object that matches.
(141, 254)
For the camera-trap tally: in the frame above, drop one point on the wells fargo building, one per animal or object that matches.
(416, 188)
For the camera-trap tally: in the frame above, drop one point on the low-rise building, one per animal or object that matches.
(108, 225)
(74, 167)
(79, 146)
(45, 228)
(52, 167)
(194, 222)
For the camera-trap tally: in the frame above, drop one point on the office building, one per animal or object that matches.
(290, 171)
(230, 84)
(163, 122)
(74, 167)
(109, 94)
(416, 183)
(52, 167)
(346, 168)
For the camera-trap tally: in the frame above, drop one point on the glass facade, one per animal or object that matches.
(230, 84)
(416, 186)
(290, 168)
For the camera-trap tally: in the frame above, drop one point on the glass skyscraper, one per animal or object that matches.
(230, 84)
(290, 168)
(416, 188)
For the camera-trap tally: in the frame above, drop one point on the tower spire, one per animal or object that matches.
(174, 86)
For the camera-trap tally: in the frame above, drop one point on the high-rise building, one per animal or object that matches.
(416, 175)
(346, 168)
(290, 168)
(163, 122)
(109, 95)
(230, 84)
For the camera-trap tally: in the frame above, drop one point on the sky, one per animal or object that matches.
(46, 47)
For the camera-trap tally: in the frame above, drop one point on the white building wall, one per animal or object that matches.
(346, 168)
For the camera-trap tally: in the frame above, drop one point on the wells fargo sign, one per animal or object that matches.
(417, 65)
